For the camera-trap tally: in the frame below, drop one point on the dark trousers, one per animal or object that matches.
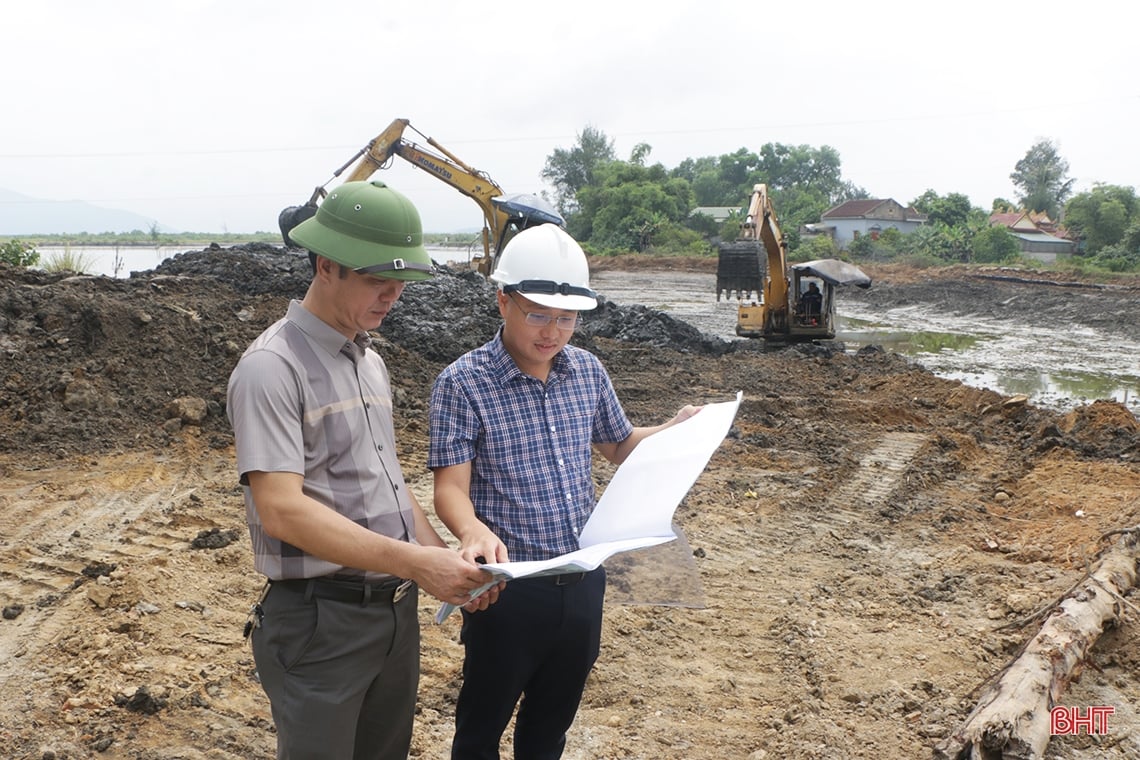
(341, 676)
(539, 641)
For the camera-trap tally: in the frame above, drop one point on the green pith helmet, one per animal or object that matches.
(369, 228)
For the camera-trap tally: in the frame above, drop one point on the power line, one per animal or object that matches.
(638, 134)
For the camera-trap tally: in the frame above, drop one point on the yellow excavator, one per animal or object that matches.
(797, 302)
(503, 215)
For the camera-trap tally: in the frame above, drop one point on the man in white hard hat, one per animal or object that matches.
(333, 524)
(512, 427)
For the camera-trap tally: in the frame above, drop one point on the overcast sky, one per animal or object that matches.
(212, 115)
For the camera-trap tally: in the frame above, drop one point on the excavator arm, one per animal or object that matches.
(761, 220)
(499, 213)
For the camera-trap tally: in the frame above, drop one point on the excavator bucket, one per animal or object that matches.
(740, 270)
(290, 217)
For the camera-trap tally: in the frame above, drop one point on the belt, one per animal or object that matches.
(355, 592)
(566, 579)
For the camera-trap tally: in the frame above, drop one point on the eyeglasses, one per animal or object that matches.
(537, 319)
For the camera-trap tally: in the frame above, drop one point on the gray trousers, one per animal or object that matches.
(341, 676)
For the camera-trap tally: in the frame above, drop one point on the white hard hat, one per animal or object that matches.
(547, 266)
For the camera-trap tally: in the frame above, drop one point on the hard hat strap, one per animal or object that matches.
(549, 287)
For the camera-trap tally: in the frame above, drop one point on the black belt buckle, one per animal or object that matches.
(568, 579)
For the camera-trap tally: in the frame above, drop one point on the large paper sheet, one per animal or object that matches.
(636, 509)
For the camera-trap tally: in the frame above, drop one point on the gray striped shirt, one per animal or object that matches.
(305, 400)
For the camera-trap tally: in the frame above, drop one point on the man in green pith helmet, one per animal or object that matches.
(334, 527)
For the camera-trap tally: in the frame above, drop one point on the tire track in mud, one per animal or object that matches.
(798, 565)
(879, 474)
(819, 623)
(55, 524)
(854, 504)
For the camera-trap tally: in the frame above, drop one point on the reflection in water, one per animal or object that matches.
(983, 360)
(856, 333)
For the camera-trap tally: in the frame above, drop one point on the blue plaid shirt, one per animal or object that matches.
(528, 443)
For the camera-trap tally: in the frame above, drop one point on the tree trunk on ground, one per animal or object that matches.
(1011, 720)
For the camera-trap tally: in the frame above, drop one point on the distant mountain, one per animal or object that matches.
(23, 215)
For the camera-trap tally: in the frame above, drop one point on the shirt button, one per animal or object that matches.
(560, 463)
(380, 447)
(551, 428)
(568, 497)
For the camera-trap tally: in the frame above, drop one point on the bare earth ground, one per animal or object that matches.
(854, 545)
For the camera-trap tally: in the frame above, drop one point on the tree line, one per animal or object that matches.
(614, 205)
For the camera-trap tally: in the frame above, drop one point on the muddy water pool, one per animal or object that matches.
(1057, 366)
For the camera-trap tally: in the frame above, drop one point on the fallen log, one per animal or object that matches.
(1012, 718)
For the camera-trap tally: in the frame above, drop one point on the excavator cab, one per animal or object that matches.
(810, 299)
(523, 211)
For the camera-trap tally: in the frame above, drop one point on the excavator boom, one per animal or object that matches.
(501, 214)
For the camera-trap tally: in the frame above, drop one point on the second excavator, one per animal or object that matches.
(797, 302)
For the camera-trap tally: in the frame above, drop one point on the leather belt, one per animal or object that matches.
(566, 579)
(353, 592)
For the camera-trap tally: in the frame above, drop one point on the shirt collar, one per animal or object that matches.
(324, 335)
(505, 367)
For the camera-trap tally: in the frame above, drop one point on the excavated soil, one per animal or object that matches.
(866, 548)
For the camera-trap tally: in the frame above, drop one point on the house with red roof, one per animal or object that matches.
(851, 220)
(1037, 234)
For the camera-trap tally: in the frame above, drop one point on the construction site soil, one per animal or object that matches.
(866, 548)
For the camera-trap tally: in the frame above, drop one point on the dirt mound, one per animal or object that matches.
(97, 363)
(1103, 429)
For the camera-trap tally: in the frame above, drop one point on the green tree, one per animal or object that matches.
(724, 180)
(630, 205)
(639, 153)
(995, 245)
(1102, 215)
(571, 170)
(817, 247)
(952, 210)
(786, 166)
(1041, 179)
(706, 225)
(674, 239)
(18, 253)
(797, 206)
(862, 247)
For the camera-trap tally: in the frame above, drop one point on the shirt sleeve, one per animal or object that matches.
(611, 425)
(454, 424)
(265, 410)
